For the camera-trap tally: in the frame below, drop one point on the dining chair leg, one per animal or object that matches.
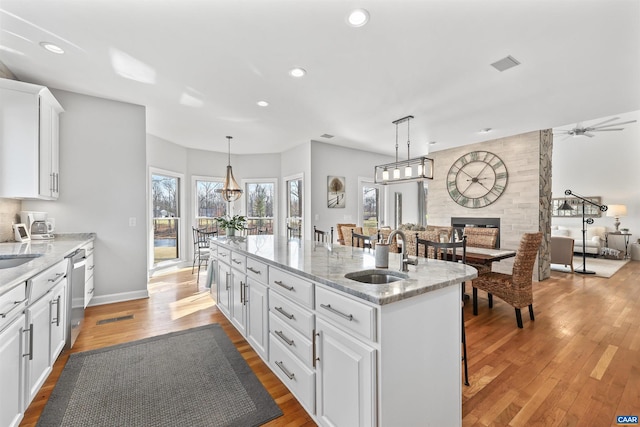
(475, 301)
(531, 312)
(490, 300)
(519, 318)
(464, 351)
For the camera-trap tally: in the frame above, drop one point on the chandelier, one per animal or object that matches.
(230, 190)
(416, 169)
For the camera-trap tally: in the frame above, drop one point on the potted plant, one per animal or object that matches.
(231, 224)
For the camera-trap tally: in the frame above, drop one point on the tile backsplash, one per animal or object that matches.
(9, 214)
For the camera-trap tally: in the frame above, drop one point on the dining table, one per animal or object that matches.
(486, 256)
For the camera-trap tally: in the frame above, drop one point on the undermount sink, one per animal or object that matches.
(376, 277)
(9, 261)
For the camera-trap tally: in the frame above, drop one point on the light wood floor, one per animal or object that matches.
(577, 364)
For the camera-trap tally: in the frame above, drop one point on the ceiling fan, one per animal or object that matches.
(580, 130)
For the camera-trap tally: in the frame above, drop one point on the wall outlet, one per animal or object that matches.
(132, 221)
(317, 217)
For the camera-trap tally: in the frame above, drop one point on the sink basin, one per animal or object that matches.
(9, 261)
(376, 277)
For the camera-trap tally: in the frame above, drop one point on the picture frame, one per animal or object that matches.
(336, 197)
(590, 211)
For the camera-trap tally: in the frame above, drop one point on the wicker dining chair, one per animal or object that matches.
(515, 289)
(481, 237)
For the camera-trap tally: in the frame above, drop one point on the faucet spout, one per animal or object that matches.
(404, 261)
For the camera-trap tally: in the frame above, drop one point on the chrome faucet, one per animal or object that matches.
(404, 260)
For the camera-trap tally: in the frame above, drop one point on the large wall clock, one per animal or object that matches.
(477, 179)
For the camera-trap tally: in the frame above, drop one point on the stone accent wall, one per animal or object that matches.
(519, 207)
(9, 209)
(546, 151)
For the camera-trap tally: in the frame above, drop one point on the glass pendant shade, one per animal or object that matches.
(396, 173)
(230, 190)
(407, 172)
(385, 174)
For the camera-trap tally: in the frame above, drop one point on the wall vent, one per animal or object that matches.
(505, 63)
(326, 135)
(114, 319)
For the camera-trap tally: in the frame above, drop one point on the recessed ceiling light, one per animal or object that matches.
(358, 17)
(52, 47)
(485, 130)
(297, 72)
(263, 103)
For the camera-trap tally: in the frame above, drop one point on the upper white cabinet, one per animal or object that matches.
(29, 144)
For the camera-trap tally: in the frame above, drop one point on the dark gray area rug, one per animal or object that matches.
(188, 378)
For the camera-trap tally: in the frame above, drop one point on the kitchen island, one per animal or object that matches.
(353, 354)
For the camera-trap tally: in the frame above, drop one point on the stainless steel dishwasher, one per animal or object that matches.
(75, 295)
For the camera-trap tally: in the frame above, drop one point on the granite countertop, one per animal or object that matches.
(327, 264)
(52, 252)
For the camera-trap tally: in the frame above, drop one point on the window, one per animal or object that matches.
(209, 204)
(260, 206)
(294, 204)
(370, 206)
(166, 217)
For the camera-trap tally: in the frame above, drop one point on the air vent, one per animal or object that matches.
(114, 319)
(326, 135)
(505, 63)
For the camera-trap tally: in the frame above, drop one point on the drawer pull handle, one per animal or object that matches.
(286, 372)
(226, 282)
(284, 313)
(56, 321)
(15, 305)
(235, 261)
(284, 338)
(349, 317)
(92, 267)
(251, 269)
(279, 283)
(57, 277)
(30, 332)
(223, 255)
(313, 349)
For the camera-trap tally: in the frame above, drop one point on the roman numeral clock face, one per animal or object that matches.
(477, 179)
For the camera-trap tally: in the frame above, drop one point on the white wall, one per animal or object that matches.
(606, 165)
(102, 185)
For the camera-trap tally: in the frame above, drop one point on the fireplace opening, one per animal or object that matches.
(459, 223)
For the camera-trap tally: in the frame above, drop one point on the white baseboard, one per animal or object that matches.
(124, 296)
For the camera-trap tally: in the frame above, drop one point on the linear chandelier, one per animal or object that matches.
(416, 169)
(230, 190)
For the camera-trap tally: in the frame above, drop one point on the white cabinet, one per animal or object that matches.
(58, 319)
(224, 287)
(89, 268)
(11, 360)
(258, 317)
(345, 373)
(239, 301)
(29, 141)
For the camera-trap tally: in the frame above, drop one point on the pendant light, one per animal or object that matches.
(417, 169)
(230, 190)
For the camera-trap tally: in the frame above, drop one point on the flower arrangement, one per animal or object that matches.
(235, 222)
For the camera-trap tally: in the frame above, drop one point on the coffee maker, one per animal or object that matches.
(38, 225)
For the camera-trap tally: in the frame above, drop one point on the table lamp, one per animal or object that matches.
(617, 211)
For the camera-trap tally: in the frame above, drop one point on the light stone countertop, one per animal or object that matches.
(327, 264)
(52, 252)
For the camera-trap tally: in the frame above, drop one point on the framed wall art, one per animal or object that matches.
(335, 192)
(576, 207)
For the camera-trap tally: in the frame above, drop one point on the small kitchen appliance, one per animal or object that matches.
(40, 228)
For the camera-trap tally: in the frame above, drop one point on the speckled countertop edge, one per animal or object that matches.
(52, 252)
(327, 264)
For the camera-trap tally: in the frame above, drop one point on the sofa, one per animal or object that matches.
(594, 241)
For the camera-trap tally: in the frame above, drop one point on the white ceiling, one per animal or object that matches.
(580, 61)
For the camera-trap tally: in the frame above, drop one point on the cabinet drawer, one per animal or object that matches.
(297, 377)
(292, 340)
(239, 261)
(89, 267)
(353, 315)
(213, 250)
(294, 287)
(12, 303)
(224, 255)
(291, 313)
(257, 270)
(40, 284)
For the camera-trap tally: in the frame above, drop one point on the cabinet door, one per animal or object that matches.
(224, 288)
(258, 317)
(58, 319)
(11, 373)
(49, 150)
(239, 301)
(346, 386)
(38, 347)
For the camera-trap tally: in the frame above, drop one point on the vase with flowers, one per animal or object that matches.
(231, 223)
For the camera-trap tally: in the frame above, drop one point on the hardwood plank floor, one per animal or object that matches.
(577, 364)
